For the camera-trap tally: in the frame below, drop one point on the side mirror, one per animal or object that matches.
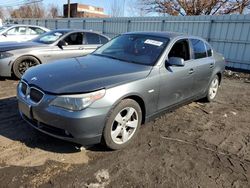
(4, 34)
(62, 43)
(177, 61)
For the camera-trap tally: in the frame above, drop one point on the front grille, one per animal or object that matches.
(35, 95)
(30, 93)
(23, 88)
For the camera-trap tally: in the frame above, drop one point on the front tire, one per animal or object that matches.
(122, 124)
(213, 89)
(22, 64)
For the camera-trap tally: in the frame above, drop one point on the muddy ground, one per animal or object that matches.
(197, 145)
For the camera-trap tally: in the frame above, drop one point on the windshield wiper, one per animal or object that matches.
(111, 57)
(124, 60)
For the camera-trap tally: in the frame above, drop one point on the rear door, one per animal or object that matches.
(204, 64)
(176, 82)
(92, 41)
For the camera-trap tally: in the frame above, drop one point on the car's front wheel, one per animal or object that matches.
(213, 89)
(122, 124)
(22, 64)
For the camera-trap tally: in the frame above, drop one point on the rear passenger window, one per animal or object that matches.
(103, 39)
(92, 38)
(199, 48)
(209, 50)
(35, 31)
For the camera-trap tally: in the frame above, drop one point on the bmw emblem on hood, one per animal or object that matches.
(33, 79)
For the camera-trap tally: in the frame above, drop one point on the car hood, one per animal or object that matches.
(84, 74)
(8, 46)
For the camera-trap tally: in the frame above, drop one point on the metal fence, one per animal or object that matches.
(228, 34)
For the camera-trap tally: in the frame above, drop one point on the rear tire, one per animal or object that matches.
(213, 89)
(122, 124)
(22, 64)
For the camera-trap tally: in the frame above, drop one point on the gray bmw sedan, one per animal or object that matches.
(107, 95)
(17, 57)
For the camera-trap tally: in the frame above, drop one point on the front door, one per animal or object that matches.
(176, 82)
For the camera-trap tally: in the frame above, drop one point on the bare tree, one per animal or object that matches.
(135, 9)
(53, 11)
(35, 10)
(116, 9)
(195, 7)
(1, 13)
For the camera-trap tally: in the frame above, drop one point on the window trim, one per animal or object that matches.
(212, 51)
(191, 45)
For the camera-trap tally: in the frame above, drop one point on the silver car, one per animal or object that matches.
(16, 58)
(20, 32)
(107, 95)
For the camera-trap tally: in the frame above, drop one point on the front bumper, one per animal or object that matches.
(5, 66)
(83, 127)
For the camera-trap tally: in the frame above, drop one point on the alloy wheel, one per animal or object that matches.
(124, 125)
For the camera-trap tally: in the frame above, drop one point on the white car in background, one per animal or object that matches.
(19, 33)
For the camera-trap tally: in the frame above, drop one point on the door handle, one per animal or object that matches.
(81, 48)
(211, 65)
(191, 71)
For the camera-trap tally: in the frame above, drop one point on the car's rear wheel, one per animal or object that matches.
(213, 89)
(22, 64)
(122, 124)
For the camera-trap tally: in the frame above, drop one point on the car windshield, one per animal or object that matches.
(134, 48)
(49, 37)
(3, 28)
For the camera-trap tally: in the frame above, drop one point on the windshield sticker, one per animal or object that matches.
(153, 42)
(57, 34)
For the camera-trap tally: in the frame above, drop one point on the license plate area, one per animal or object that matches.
(25, 109)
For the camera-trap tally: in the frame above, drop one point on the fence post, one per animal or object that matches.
(56, 24)
(162, 25)
(128, 25)
(84, 24)
(103, 26)
(68, 24)
(210, 30)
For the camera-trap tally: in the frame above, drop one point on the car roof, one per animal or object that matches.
(164, 34)
(79, 30)
(11, 25)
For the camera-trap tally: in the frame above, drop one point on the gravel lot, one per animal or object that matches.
(197, 145)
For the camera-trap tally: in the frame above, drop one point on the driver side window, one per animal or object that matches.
(74, 39)
(180, 49)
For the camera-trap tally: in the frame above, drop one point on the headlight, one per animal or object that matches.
(5, 55)
(77, 102)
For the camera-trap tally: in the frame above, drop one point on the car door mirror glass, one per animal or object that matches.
(177, 61)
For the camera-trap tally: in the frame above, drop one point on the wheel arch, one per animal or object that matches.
(24, 56)
(219, 74)
(141, 103)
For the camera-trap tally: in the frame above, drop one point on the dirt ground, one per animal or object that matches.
(197, 145)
